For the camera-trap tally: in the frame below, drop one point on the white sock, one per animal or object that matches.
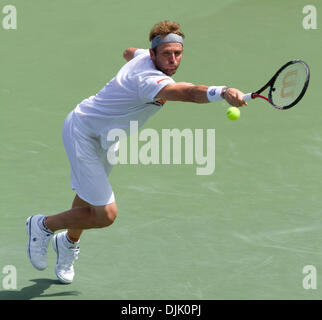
(69, 242)
(42, 226)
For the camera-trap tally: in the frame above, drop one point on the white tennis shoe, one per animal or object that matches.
(67, 253)
(38, 241)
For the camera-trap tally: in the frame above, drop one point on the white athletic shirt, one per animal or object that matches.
(129, 96)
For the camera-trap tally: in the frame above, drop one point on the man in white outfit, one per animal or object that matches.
(137, 92)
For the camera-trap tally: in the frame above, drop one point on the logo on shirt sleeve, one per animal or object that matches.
(158, 82)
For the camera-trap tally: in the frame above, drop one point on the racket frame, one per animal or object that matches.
(271, 82)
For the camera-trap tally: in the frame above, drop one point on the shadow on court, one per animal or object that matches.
(36, 290)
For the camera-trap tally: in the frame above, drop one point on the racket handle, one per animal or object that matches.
(247, 96)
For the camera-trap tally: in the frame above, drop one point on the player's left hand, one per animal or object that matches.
(235, 97)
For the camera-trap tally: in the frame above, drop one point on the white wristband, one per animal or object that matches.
(213, 93)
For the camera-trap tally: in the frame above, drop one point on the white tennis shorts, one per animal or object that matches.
(89, 167)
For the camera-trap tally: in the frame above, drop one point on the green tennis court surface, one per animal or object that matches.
(244, 232)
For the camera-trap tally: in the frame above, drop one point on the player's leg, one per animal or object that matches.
(89, 178)
(40, 228)
(94, 206)
(78, 202)
(82, 218)
(74, 234)
(78, 218)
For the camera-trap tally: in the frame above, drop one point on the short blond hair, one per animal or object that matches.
(165, 27)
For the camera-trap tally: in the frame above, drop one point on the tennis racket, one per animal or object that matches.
(287, 87)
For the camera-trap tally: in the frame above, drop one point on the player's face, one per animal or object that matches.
(167, 57)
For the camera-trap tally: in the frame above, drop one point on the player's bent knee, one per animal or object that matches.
(106, 215)
(111, 212)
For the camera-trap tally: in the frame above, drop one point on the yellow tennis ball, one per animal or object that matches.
(233, 113)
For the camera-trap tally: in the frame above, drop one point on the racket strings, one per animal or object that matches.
(290, 85)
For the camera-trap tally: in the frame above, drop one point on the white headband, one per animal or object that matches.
(171, 37)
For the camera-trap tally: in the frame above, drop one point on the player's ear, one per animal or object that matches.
(152, 55)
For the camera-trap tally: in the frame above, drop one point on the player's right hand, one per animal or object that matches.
(235, 97)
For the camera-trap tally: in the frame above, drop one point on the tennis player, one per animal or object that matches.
(138, 91)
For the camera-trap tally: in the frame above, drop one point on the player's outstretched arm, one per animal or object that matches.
(188, 92)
